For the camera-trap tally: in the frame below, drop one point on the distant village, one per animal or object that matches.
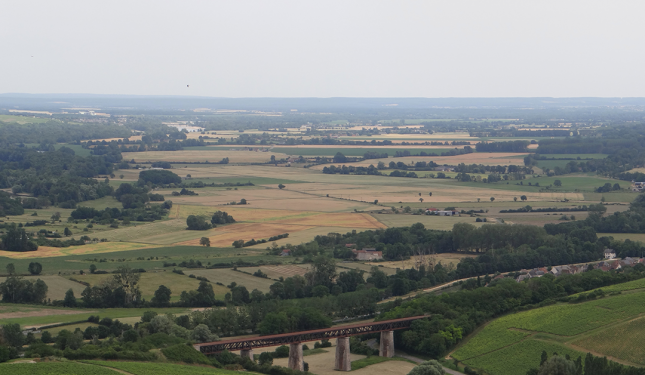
(610, 263)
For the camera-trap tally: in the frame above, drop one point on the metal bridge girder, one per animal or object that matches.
(298, 337)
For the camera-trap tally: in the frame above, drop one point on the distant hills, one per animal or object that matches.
(57, 101)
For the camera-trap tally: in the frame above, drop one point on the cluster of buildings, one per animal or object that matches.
(605, 265)
(638, 186)
(367, 253)
(436, 211)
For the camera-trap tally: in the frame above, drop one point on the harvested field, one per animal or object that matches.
(240, 213)
(331, 150)
(56, 285)
(445, 259)
(353, 220)
(306, 235)
(367, 267)
(103, 247)
(235, 157)
(274, 199)
(227, 276)
(150, 282)
(486, 158)
(224, 236)
(148, 232)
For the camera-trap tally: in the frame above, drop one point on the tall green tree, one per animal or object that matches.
(557, 365)
(35, 268)
(162, 296)
(323, 272)
(128, 279)
(16, 239)
(195, 222)
(70, 300)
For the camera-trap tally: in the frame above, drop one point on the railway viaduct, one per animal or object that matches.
(295, 340)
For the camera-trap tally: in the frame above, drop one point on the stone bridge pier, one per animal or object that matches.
(343, 362)
(386, 348)
(295, 357)
(247, 353)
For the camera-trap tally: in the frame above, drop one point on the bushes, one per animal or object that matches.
(161, 340)
(164, 177)
(221, 217)
(322, 344)
(7, 353)
(356, 346)
(185, 353)
(197, 223)
(281, 352)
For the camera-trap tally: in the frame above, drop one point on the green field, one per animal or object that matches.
(623, 287)
(640, 237)
(151, 280)
(562, 160)
(353, 151)
(24, 119)
(586, 183)
(429, 221)
(74, 263)
(625, 342)
(227, 276)
(519, 358)
(102, 203)
(56, 286)
(512, 344)
(364, 362)
(612, 197)
(574, 156)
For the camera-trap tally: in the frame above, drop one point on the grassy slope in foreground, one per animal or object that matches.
(512, 344)
(147, 368)
(54, 368)
(107, 368)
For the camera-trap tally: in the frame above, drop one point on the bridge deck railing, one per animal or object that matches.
(305, 336)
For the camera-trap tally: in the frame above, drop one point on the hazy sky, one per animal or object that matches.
(324, 48)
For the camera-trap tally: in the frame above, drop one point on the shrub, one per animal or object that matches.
(185, 353)
(265, 359)
(160, 340)
(322, 344)
(281, 352)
